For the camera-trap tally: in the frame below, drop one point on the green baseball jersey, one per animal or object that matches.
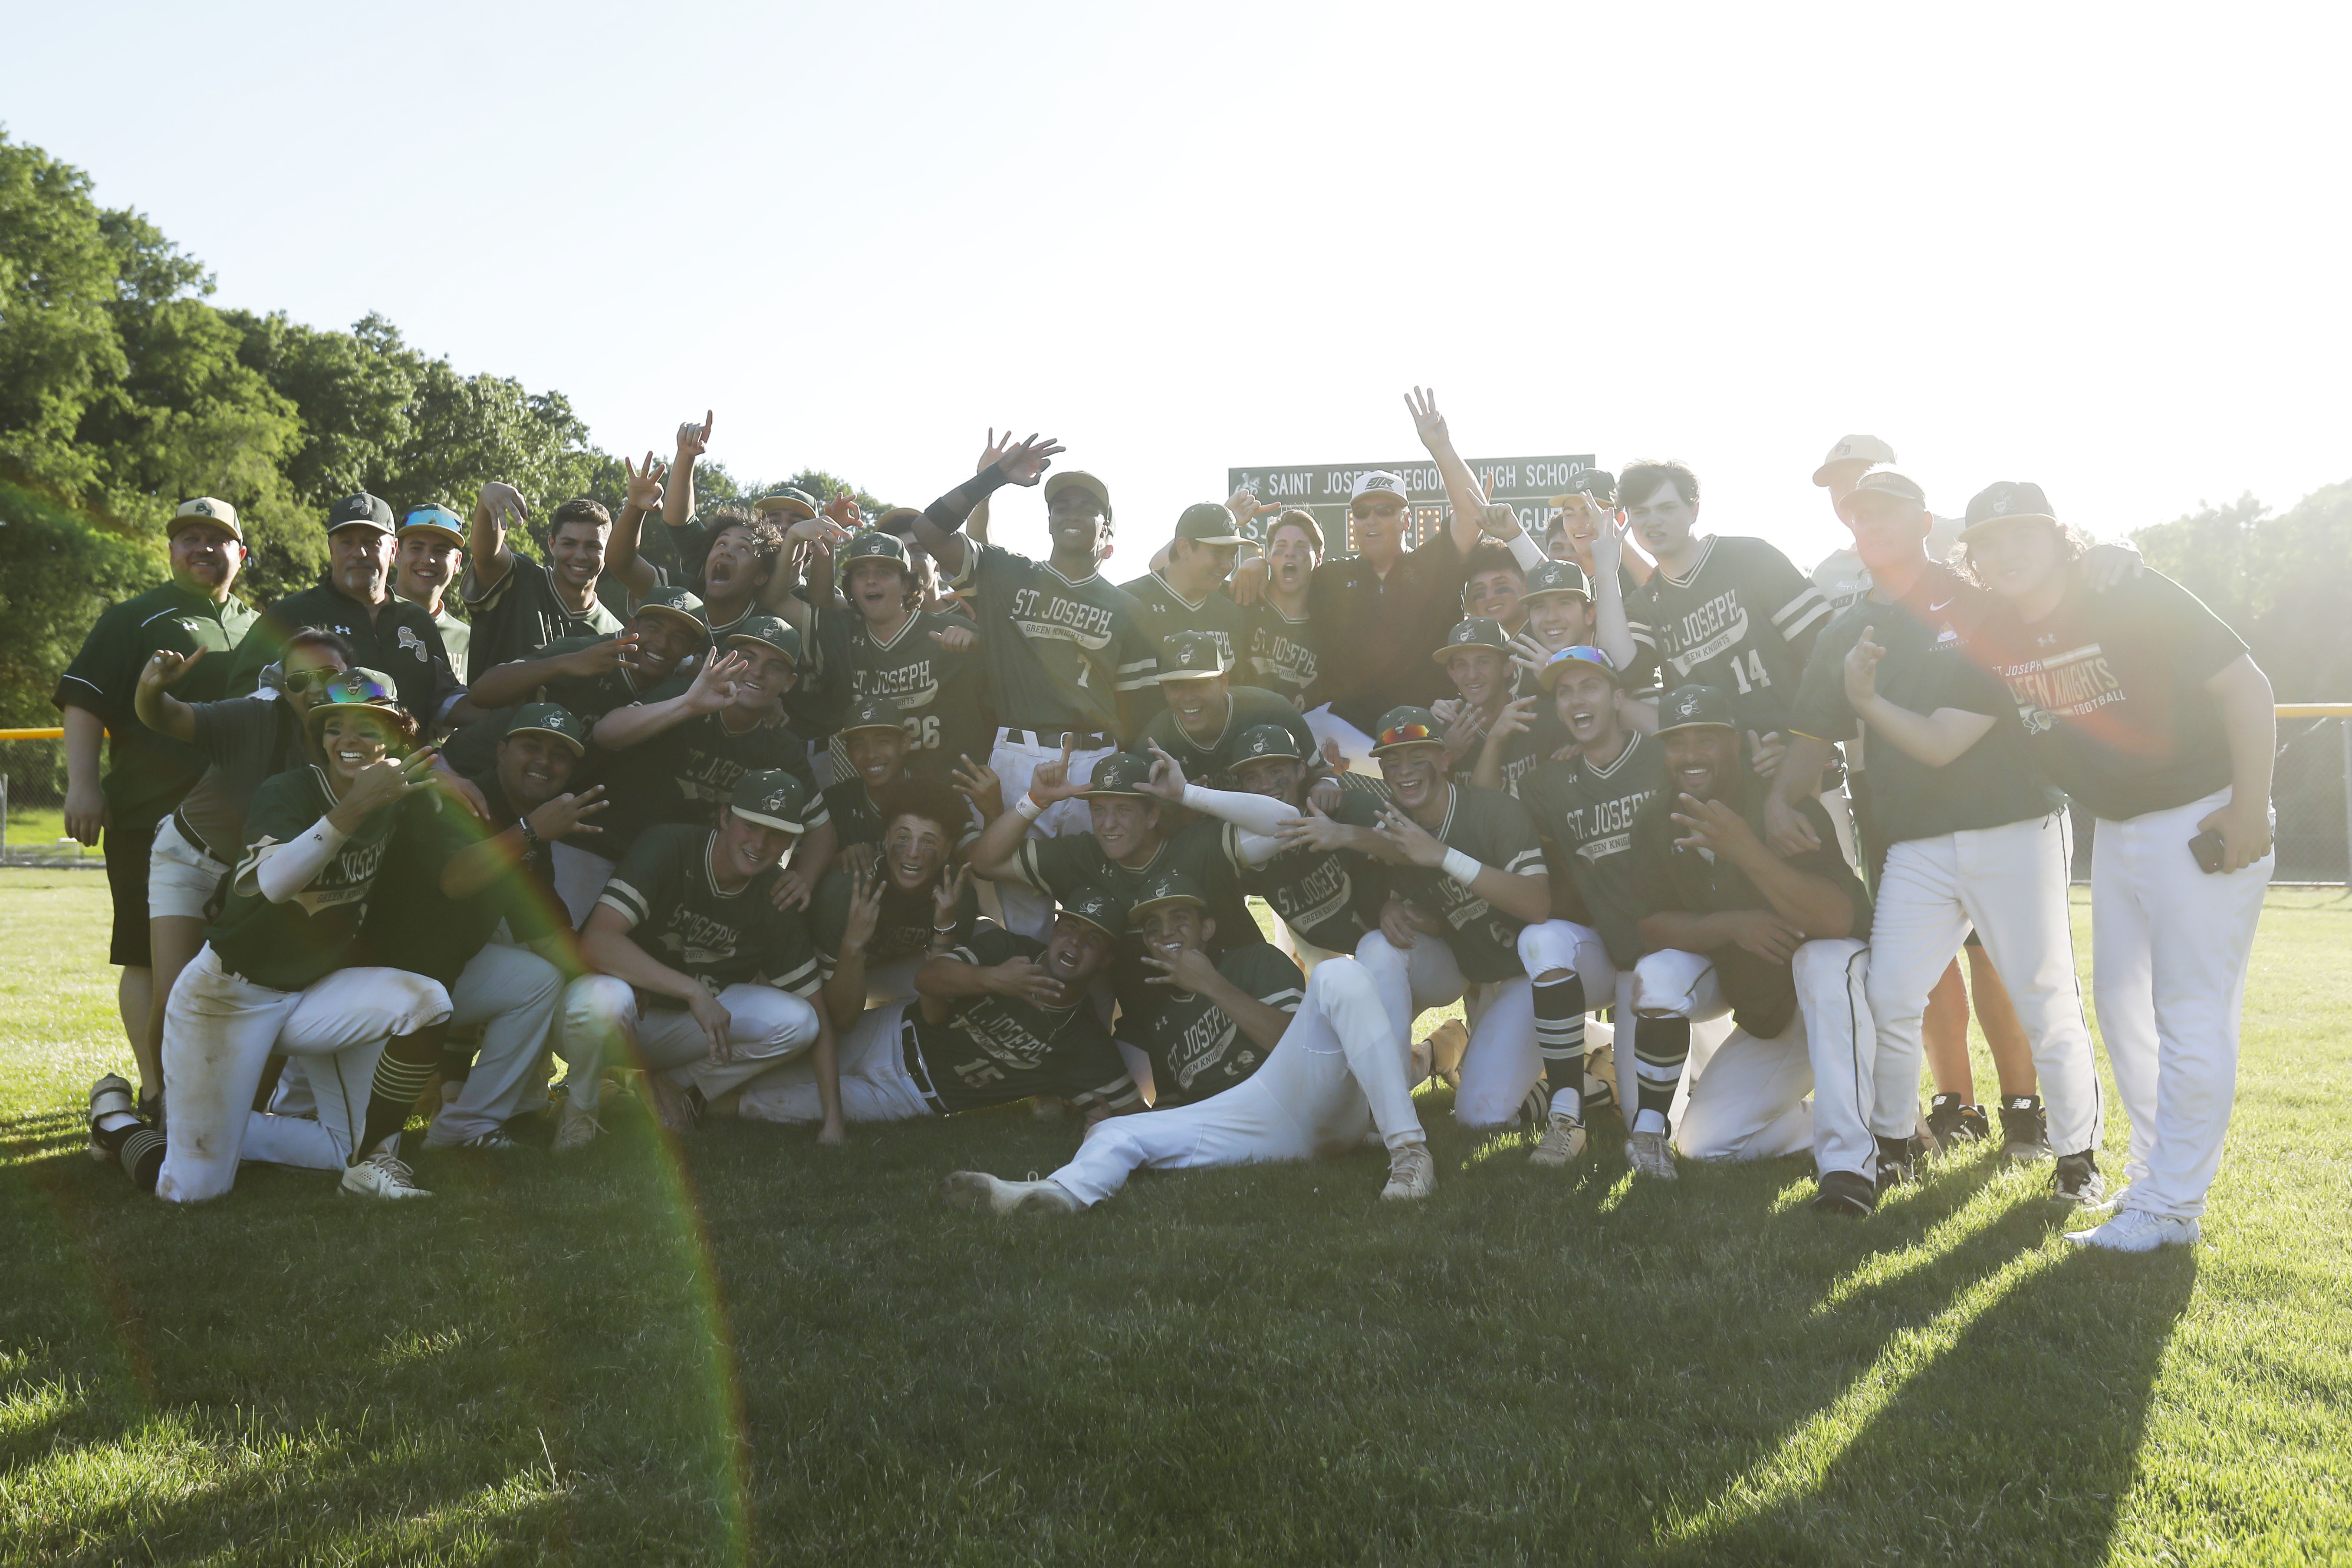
(1523, 752)
(1328, 896)
(1196, 1048)
(296, 943)
(1284, 655)
(687, 772)
(992, 1050)
(1064, 865)
(941, 697)
(1495, 830)
(456, 637)
(903, 931)
(148, 772)
(518, 615)
(411, 924)
(1057, 653)
(1743, 618)
(1586, 814)
(676, 912)
(1207, 760)
(1160, 611)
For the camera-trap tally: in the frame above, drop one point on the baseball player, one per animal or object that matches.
(518, 605)
(873, 923)
(737, 560)
(1732, 927)
(874, 736)
(705, 978)
(427, 549)
(1974, 832)
(1495, 737)
(274, 975)
(1286, 654)
(1207, 715)
(1000, 1017)
(1293, 1071)
(1190, 595)
(147, 771)
(2144, 708)
(925, 663)
(1074, 658)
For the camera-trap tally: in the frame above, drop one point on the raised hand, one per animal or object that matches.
(1247, 585)
(164, 669)
(1500, 520)
(714, 683)
(1025, 463)
(1052, 781)
(645, 492)
(819, 530)
(1166, 780)
(956, 639)
(1462, 734)
(388, 781)
(994, 451)
(1246, 506)
(1530, 652)
(569, 814)
(979, 783)
(1315, 830)
(602, 657)
(1427, 421)
(1862, 670)
(1027, 979)
(1190, 970)
(1710, 824)
(1410, 838)
(693, 439)
(1764, 752)
(501, 501)
(1516, 719)
(865, 909)
(947, 897)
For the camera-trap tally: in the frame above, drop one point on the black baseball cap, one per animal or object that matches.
(1267, 741)
(1208, 522)
(871, 713)
(1191, 655)
(1472, 631)
(1100, 907)
(679, 603)
(361, 509)
(2005, 501)
(1692, 707)
(1167, 887)
(1406, 726)
(1555, 577)
(550, 719)
(1121, 773)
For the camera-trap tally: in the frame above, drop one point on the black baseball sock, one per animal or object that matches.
(1661, 1047)
(1559, 1037)
(138, 1150)
(406, 1066)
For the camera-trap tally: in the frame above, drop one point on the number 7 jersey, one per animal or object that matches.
(1743, 618)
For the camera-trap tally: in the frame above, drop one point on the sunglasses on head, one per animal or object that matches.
(1585, 653)
(1404, 733)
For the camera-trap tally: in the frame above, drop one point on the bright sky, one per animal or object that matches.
(2098, 247)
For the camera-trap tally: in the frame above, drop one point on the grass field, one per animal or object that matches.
(761, 1351)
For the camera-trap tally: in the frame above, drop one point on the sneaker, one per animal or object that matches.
(673, 1109)
(578, 1128)
(2136, 1230)
(1898, 1161)
(2025, 1129)
(110, 1096)
(978, 1189)
(494, 1142)
(1564, 1140)
(1951, 1121)
(1847, 1194)
(382, 1176)
(1411, 1172)
(2078, 1179)
(1651, 1154)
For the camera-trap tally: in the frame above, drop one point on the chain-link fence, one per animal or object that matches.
(33, 802)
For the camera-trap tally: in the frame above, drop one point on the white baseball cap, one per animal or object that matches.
(1867, 450)
(1376, 482)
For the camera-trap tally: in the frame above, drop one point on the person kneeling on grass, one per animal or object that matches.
(1309, 1073)
(998, 1019)
(705, 980)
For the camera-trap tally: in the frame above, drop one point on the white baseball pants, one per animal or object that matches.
(1338, 1069)
(601, 1017)
(2168, 952)
(2011, 881)
(1026, 910)
(220, 1028)
(1502, 1062)
(512, 995)
(579, 880)
(1748, 1099)
(875, 1086)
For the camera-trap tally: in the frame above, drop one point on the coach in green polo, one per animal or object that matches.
(191, 615)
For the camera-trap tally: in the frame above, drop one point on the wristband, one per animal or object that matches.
(531, 842)
(945, 931)
(1029, 809)
(1460, 867)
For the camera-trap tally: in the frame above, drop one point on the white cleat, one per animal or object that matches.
(1651, 1154)
(978, 1189)
(382, 1176)
(578, 1128)
(1412, 1173)
(1564, 1140)
(2133, 1230)
(110, 1096)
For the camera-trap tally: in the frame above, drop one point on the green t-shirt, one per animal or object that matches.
(396, 638)
(676, 912)
(1059, 654)
(1927, 666)
(1206, 761)
(1328, 896)
(518, 615)
(1284, 655)
(1162, 612)
(1586, 814)
(148, 772)
(941, 697)
(1065, 866)
(295, 945)
(1495, 830)
(1196, 1049)
(992, 1050)
(902, 932)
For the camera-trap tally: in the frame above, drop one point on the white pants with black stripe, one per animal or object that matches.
(2011, 881)
(220, 1028)
(1748, 1096)
(512, 995)
(1028, 912)
(1339, 1069)
(875, 1085)
(601, 1017)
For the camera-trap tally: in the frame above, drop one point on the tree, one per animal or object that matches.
(59, 570)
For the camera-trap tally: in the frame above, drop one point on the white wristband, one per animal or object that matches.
(1029, 809)
(1460, 867)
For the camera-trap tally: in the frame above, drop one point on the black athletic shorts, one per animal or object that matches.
(126, 845)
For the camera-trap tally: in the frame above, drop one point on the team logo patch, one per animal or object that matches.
(414, 644)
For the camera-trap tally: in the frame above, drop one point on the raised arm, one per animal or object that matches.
(713, 689)
(1935, 739)
(485, 545)
(156, 707)
(1610, 630)
(937, 529)
(995, 854)
(509, 685)
(1522, 896)
(677, 501)
(621, 557)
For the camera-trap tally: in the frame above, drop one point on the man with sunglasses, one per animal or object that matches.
(521, 605)
(427, 549)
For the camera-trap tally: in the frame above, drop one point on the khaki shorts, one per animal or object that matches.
(181, 877)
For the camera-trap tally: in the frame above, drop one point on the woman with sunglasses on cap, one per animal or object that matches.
(271, 976)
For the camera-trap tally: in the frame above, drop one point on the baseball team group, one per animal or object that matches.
(792, 812)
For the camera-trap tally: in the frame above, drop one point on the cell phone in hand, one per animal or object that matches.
(2207, 848)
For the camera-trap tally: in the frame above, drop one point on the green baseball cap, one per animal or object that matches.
(1121, 773)
(1167, 887)
(875, 545)
(1100, 909)
(785, 498)
(1407, 726)
(871, 713)
(1473, 631)
(1694, 707)
(1555, 577)
(1208, 522)
(1267, 741)
(371, 690)
(1191, 655)
(678, 604)
(550, 719)
(769, 632)
(771, 797)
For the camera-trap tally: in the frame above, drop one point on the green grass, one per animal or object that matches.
(38, 828)
(767, 1352)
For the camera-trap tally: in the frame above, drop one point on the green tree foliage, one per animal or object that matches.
(2282, 583)
(58, 569)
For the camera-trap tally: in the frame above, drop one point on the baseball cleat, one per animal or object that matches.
(1847, 1194)
(382, 1176)
(2024, 1128)
(673, 1111)
(1952, 1121)
(1652, 1154)
(978, 1189)
(1564, 1140)
(110, 1096)
(2136, 1230)
(1898, 1161)
(2077, 1180)
(1411, 1172)
(578, 1128)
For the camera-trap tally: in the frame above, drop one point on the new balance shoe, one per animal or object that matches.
(2025, 1129)
(1846, 1194)
(2077, 1180)
(110, 1096)
(978, 1189)
(1564, 1140)
(1652, 1154)
(577, 1130)
(2136, 1230)
(1898, 1161)
(382, 1175)
(1951, 1121)
(1412, 1173)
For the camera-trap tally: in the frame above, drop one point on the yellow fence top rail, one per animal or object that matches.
(32, 734)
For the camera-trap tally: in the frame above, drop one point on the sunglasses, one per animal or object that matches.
(1404, 733)
(1584, 653)
(300, 680)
